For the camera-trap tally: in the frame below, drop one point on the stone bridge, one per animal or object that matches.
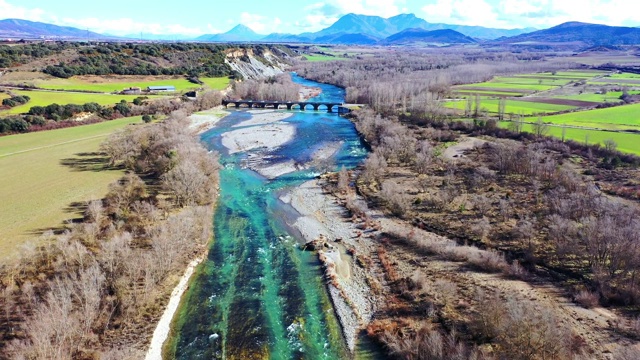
(302, 105)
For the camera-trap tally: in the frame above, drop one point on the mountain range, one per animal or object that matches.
(582, 33)
(364, 30)
(368, 30)
(17, 28)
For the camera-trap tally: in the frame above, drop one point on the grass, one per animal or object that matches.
(619, 117)
(627, 142)
(513, 106)
(487, 92)
(502, 86)
(219, 83)
(532, 81)
(102, 85)
(611, 96)
(43, 173)
(321, 58)
(44, 98)
(626, 76)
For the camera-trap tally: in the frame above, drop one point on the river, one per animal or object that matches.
(258, 295)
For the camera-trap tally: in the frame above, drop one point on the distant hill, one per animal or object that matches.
(583, 34)
(285, 38)
(347, 39)
(237, 34)
(17, 28)
(415, 35)
(379, 27)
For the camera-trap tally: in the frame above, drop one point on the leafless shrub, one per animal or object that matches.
(426, 343)
(446, 292)
(395, 198)
(626, 353)
(374, 167)
(481, 227)
(587, 299)
(481, 204)
(505, 209)
(343, 180)
(522, 329)
(516, 271)
(486, 260)
(424, 157)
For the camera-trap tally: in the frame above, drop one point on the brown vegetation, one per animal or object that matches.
(520, 207)
(279, 88)
(97, 288)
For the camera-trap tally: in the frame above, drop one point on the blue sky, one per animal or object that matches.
(198, 17)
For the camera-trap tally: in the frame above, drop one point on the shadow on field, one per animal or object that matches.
(76, 209)
(87, 161)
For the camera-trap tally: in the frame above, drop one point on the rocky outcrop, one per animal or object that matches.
(254, 66)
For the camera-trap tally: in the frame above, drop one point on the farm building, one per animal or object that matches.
(132, 91)
(162, 88)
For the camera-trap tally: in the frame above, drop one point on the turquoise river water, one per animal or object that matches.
(258, 296)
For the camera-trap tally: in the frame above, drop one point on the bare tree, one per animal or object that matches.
(540, 128)
(502, 106)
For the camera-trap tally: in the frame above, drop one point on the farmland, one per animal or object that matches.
(44, 98)
(102, 84)
(626, 142)
(321, 58)
(513, 106)
(576, 93)
(43, 173)
(614, 118)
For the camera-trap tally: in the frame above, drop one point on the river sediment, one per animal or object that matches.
(322, 218)
(258, 295)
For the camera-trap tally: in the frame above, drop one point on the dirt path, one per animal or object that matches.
(457, 151)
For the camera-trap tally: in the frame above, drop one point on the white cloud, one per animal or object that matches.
(384, 8)
(260, 23)
(125, 26)
(463, 12)
(8, 11)
(323, 14)
(524, 13)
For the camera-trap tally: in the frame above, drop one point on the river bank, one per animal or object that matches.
(323, 221)
(161, 333)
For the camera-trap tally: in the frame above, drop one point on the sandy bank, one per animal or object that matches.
(307, 92)
(268, 137)
(164, 325)
(264, 117)
(205, 120)
(321, 216)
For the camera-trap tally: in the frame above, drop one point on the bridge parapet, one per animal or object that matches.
(276, 104)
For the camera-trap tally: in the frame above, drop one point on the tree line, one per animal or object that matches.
(416, 80)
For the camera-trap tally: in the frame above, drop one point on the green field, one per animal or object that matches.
(524, 84)
(488, 93)
(219, 83)
(43, 173)
(627, 142)
(512, 106)
(116, 86)
(619, 117)
(320, 58)
(611, 96)
(625, 76)
(502, 86)
(44, 98)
